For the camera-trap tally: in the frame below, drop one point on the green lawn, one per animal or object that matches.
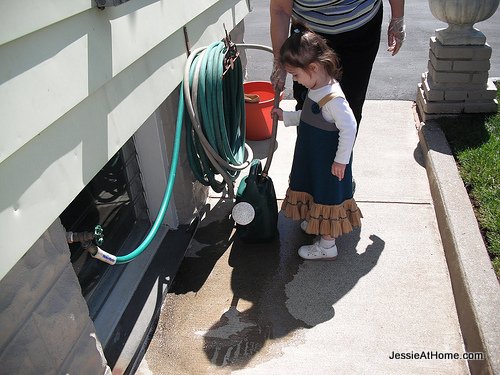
(475, 143)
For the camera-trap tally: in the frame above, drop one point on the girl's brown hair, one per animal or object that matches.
(305, 47)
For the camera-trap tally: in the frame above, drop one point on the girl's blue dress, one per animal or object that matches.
(314, 193)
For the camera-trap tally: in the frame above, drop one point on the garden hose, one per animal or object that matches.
(214, 100)
(104, 256)
(215, 103)
(216, 113)
(168, 190)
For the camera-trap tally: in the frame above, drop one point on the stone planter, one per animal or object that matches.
(457, 82)
(461, 15)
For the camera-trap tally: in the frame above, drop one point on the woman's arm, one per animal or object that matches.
(397, 8)
(280, 12)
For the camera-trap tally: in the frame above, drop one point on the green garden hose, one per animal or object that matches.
(168, 190)
(216, 107)
(215, 104)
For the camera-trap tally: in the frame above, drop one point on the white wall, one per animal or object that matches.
(76, 83)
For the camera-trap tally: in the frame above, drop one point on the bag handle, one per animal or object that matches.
(255, 168)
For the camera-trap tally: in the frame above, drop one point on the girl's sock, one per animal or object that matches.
(326, 244)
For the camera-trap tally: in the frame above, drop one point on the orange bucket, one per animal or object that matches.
(259, 123)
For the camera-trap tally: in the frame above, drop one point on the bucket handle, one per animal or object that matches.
(272, 143)
(277, 95)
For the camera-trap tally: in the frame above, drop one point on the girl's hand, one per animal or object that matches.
(278, 112)
(338, 170)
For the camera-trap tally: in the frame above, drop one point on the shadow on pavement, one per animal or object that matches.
(285, 292)
(418, 155)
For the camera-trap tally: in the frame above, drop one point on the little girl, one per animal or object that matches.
(320, 191)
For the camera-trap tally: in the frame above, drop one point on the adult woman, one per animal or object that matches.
(351, 27)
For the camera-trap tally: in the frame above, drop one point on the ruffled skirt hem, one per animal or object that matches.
(332, 220)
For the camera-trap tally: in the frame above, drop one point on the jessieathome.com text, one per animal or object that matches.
(428, 354)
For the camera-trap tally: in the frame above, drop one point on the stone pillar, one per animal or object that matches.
(459, 60)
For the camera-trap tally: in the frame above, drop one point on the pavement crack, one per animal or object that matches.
(429, 203)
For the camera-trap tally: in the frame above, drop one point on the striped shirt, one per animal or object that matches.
(335, 16)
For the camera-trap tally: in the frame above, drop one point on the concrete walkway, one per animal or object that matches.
(260, 309)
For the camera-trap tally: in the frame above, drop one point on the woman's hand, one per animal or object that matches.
(278, 112)
(278, 76)
(396, 31)
(338, 170)
(396, 34)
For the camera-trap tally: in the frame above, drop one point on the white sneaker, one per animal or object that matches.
(317, 252)
(303, 226)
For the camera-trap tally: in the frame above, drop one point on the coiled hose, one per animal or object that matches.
(215, 104)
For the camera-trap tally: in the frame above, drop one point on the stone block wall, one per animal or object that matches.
(44, 319)
(456, 81)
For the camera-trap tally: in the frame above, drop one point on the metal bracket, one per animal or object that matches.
(186, 40)
(231, 52)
